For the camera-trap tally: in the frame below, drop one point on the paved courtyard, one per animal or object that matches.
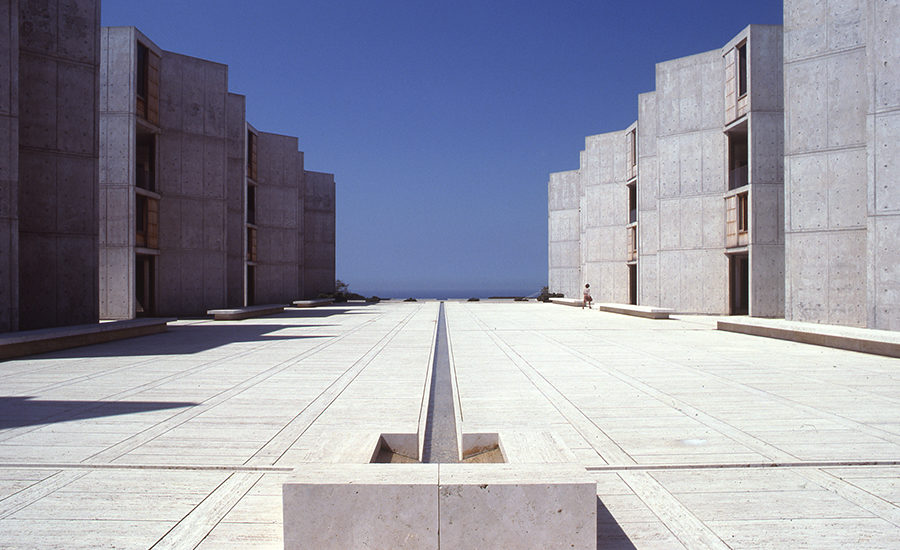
(696, 438)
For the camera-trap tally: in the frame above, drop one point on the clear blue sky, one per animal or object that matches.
(440, 120)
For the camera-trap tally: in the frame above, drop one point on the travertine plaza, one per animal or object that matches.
(757, 180)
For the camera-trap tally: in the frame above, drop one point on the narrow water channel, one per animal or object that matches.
(440, 429)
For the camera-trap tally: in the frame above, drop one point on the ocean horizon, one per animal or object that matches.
(449, 294)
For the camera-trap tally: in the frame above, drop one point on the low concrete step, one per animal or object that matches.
(566, 301)
(245, 312)
(30, 342)
(878, 342)
(648, 312)
(314, 303)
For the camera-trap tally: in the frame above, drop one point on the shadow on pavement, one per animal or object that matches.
(609, 533)
(17, 412)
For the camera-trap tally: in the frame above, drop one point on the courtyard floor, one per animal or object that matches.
(696, 438)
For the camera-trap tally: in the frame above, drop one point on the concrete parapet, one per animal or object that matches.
(30, 342)
(878, 342)
(440, 505)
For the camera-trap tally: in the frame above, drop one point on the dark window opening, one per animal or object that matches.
(739, 287)
(145, 168)
(632, 284)
(738, 159)
(251, 244)
(251, 204)
(634, 148)
(251, 155)
(141, 220)
(632, 203)
(143, 66)
(742, 69)
(144, 286)
(251, 285)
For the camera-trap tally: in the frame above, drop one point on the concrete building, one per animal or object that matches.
(199, 210)
(49, 57)
(681, 208)
(842, 196)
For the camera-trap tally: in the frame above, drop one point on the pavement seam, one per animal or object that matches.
(136, 440)
(297, 426)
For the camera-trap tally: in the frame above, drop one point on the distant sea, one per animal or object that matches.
(449, 294)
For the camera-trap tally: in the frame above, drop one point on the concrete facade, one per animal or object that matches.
(658, 200)
(842, 123)
(318, 233)
(49, 56)
(564, 230)
(199, 210)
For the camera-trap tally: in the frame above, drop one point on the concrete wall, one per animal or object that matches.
(883, 183)
(235, 193)
(9, 165)
(826, 184)
(604, 214)
(648, 197)
(58, 94)
(117, 171)
(278, 217)
(691, 163)
(192, 182)
(318, 234)
(564, 193)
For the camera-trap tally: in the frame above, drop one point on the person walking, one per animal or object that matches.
(587, 297)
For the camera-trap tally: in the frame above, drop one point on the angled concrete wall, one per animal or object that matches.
(236, 174)
(604, 214)
(648, 197)
(318, 234)
(883, 182)
(9, 165)
(192, 183)
(691, 164)
(826, 184)
(278, 217)
(118, 117)
(58, 94)
(564, 191)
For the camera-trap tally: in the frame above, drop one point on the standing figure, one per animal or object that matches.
(587, 297)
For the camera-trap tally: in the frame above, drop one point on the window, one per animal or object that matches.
(632, 202)
(251, 204)
(737, 159)
(143, 67)
(145, 164)
(251, 244)
(146, 220)
(251, 155)
(742, 69)
(743, 222)
(141, 221)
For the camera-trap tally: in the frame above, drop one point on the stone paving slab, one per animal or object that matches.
(696, 438)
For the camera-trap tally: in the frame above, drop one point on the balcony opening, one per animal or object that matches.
(739, 284)
(738, 159)
(146, 217)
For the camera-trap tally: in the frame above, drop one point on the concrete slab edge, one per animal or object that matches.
(31, 342)
(236, 314)
(815, 337)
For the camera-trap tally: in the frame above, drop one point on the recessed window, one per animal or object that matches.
(251, 155)
(743, 213)
(251, 204)
(742, 69)
(632, 202)
(737, 160)
(143, 67)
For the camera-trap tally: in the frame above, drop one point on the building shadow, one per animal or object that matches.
(18, 412)
(184, 340)
(610, 535)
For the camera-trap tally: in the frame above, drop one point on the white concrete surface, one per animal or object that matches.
(695, 437)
